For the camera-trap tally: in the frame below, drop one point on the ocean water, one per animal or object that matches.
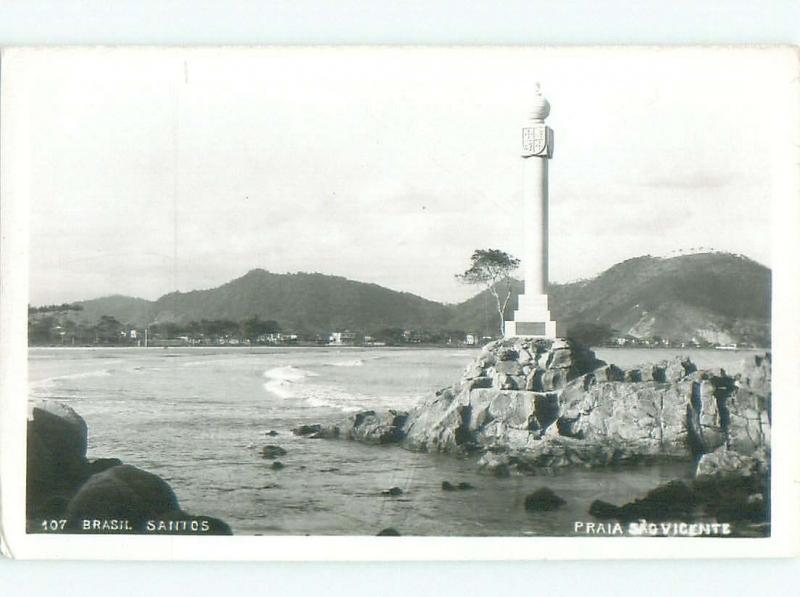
(200, 417)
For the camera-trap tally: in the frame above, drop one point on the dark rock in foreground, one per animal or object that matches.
(57, 462)
(122, 492)
(101, 496)
(389, 532)
(670, 502)
(392, 491)
(741, 501)
(543, 500)
(102, 464)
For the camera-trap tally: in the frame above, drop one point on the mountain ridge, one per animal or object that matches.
(719, 297)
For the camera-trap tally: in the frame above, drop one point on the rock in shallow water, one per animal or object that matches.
(303, 430)
(543, 500)
(462, 486)
(271, 452)
(371, 428)
(670, 502)
(317, 431)
(741, 501)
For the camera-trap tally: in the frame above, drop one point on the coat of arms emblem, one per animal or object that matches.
(534, 140)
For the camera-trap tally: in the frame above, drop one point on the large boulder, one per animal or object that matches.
(647, 418)
(126, 499)
(56, 464)
(673, 501)
(741, 501)
(370, 427)
(122, 492)
(62, 483)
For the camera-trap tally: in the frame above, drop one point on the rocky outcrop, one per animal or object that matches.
(523, 404)
(97, 496)
(729, 423)
(725, 462)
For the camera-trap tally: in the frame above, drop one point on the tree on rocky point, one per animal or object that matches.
(492, 268)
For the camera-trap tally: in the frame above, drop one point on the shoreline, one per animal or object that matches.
(413, 347)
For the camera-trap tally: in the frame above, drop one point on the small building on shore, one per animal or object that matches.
(345, 338)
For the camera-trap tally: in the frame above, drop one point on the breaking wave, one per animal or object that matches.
(49, 382)
(290, 382)
(283, 380)
(347, 363)
(288, 373)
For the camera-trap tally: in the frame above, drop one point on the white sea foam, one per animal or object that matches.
(288, 373)
(290, 382)
(284, 381)
(281, 388)
(329, 399)
(205, 362)
(347, 363)
(49, 382)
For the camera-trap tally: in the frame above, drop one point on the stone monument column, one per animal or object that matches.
(532, 317)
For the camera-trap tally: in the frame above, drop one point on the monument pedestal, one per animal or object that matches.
(532, 319)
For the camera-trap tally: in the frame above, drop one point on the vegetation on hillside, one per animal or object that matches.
(715, 298)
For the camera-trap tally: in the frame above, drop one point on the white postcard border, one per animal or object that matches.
(14, 226)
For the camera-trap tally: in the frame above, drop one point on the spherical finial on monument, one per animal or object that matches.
(540, 108)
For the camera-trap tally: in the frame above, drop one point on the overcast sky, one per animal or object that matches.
(160, 170)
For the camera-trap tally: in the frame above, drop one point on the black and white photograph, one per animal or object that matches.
(399, 292)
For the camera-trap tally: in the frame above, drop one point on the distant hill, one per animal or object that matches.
(304, 303)
(126, 309)
(300, 302)
(719, 297)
